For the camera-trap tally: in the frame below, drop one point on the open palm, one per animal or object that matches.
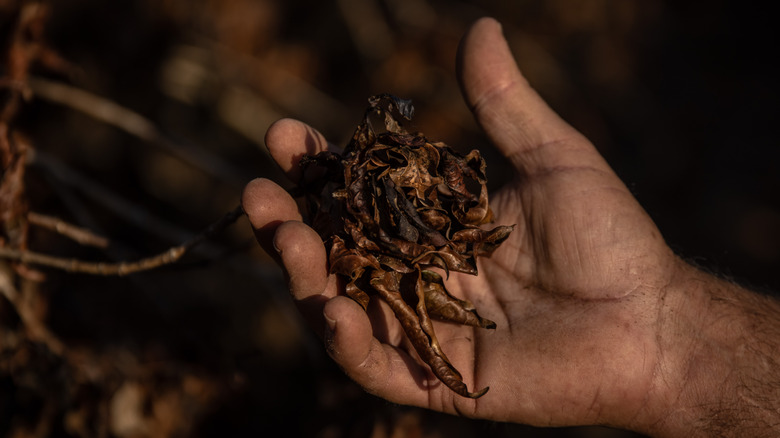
(574, 290)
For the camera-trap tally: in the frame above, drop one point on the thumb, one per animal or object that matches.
(515, 118)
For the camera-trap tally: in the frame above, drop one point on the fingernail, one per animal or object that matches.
(330, 322)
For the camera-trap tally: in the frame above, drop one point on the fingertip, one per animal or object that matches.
(288, 140)
(350, 343)
(482, 26)
(304, 258)
(267, 206)
(349, 337)
(299, 240)
(484, 58)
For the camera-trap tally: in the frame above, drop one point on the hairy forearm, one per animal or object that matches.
(749, 403)
(720, 373)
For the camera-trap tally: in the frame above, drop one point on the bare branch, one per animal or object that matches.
(124, 268)
(73, 232)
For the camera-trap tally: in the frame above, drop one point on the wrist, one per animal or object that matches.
(718, 351)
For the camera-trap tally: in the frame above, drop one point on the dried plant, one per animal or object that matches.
(391, 207)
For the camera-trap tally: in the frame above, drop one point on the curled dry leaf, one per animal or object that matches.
(392, 206)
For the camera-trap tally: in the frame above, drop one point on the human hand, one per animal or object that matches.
(581, 292)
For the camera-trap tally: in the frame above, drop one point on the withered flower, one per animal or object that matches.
(392, 206)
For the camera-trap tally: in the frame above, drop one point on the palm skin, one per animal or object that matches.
(575, 291)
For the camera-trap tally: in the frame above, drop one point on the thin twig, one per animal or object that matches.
(134, 213)
(124, 268)
(73, 232)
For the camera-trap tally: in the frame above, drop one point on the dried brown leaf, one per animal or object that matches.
(393, 206)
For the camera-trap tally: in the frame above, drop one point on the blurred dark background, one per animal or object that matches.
(680, 97)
